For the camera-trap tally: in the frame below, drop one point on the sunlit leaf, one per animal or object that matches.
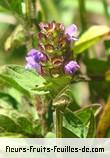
(16, 38)
(22, 79)
(11, 135)
(74, 124)
(93, 35)
(9, 99)
(50, 135)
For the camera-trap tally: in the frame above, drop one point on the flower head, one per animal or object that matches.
(71, 67)
(54, 49)
(33, 59)
(70, 32)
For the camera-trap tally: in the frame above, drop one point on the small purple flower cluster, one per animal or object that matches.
(54, 44)
(33, 59)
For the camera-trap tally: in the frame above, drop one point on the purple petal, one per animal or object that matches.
(33, 59)
(32, 52)
(35, 66)
(30, 59)
(70, 32)
(36, 55)
(71, 67)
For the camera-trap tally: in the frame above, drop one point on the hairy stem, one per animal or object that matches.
(41, 107)
(59, 123)
(30, 15)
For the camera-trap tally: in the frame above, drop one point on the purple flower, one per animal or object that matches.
(71, 67)
(70, 32)
(34, 57)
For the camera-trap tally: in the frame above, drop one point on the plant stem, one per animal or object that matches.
(30, 15)
(82, 12)
(59, 123)
(33, 14)
(106, 10)
(83, 20)
(27, 26)
(28, 11)
(41, 107)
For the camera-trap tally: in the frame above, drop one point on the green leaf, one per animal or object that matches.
(55, 85)
(50, 135)
(12, 6)
(8, 124)
(73, 124)
(11, 135)
(15, 39)
(9, 99)
(37, 129)
(25, 125)
(92, 127)
(85, 113)
(93, 35)
(21, 79)
(68, 134)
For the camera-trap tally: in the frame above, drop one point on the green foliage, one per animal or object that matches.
(12, 6)
(8, 99)
(91, 37)
(92, 127)
(14, 123)
(8, 124)
(23, 80)
(74, 124)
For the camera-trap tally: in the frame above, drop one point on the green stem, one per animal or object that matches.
(82, 12)
(27, 25)
(28, 11)
(83, 19)
(106, 10)
(59, 123)
(30, 7)
(33, 14)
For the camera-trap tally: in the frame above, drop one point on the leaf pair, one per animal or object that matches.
(80, 124)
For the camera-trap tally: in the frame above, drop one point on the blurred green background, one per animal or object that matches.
(65, 11)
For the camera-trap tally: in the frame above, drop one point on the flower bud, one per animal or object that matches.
(71, 67)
